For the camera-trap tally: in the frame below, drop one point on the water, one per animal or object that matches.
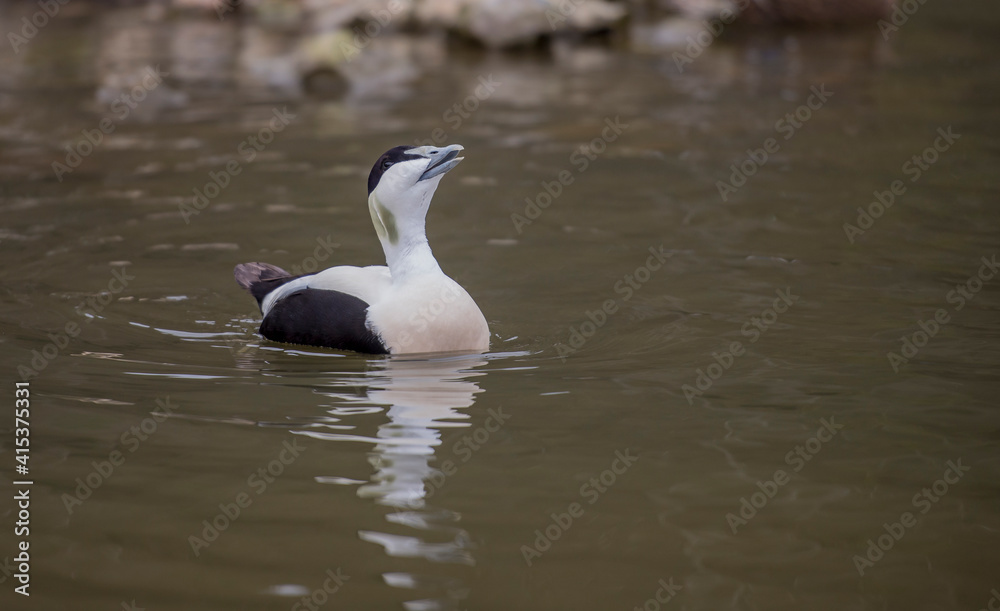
(431, 483)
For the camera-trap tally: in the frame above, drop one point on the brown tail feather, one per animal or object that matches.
(259, 279)
(249, 274)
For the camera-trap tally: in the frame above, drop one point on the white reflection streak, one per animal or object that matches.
(423, 396)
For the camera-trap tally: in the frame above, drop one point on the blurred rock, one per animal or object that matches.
(664, 35)
(387, 67)
(320, 57)
(268, 59)
(324, 15)
(508, 23)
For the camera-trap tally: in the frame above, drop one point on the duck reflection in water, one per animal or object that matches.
(424, 397)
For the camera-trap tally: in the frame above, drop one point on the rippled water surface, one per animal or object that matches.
(683, 389)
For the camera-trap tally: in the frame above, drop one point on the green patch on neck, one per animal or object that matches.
(384, 221)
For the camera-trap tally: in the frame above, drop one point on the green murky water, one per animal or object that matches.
(691, 391)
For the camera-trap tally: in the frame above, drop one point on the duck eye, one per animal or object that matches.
(385, 164)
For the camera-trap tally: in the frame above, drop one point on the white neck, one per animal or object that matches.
(404, 242)
(411, 256)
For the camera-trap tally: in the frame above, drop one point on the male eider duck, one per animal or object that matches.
(410, 306)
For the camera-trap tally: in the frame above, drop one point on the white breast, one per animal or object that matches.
(430, 313)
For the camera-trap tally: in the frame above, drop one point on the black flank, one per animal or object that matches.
(317, 317)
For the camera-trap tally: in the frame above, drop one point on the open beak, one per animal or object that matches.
(441, 159)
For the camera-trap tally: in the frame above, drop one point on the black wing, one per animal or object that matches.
(318, 317)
